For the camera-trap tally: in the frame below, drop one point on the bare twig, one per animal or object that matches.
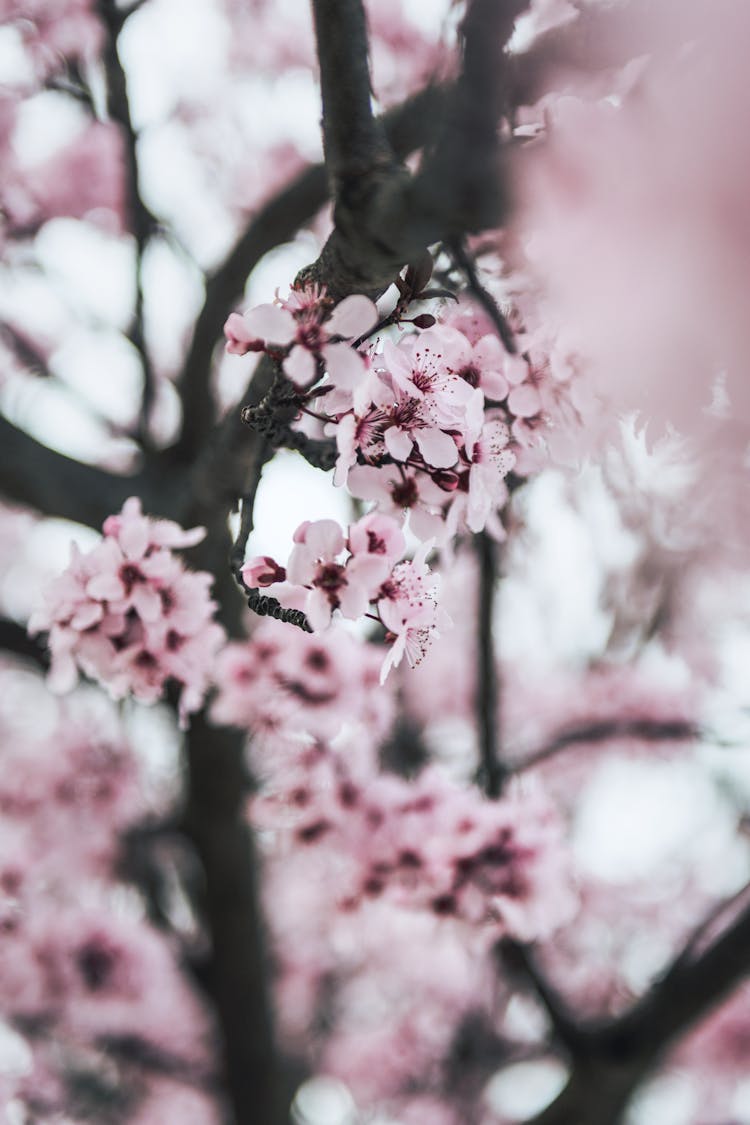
(519, 960)
(610, 1059)
(608, 730)
(481, 294)
(491, 772)
(142, 222)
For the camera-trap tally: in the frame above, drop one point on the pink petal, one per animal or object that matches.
(105, 587)
(494, 385)
(346, 366)
(515, 369)
(300, 366)
(401, 369)
(353, 601)
(324, 539)
(399, 443)
(394, 657)
(437, 448)
(353, 317)
(318, 610)
(89, 614)
(524, 401)
(270, 323)
(134, 537)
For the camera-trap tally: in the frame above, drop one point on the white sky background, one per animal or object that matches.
(633, 815)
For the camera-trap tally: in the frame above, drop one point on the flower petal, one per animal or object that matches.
(353, 316)
(437, 448)
(346, 366)
(269, 322)
(399, 443)
(300, 366)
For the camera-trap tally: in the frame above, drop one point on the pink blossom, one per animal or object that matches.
(315, 563)
(491, 461)
(131, 616)
(302, 324)
(430, 399)
(408, 609)
(401, 493)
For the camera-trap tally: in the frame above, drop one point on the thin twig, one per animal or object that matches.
(607, 730)
(481, 294)
(142, 221)
(492, 773)
(518, 959)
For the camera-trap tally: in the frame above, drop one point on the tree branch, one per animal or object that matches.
(611, 1059)
(491, 772)
(408, 126)
(607, 730)
(482, 296)
(354, 141)
(31, 473)
(142, 222)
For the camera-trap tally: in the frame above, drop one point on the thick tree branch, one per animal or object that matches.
(609, 1060)
(56, 485)
(458, 189)
(408, 127)
(354, 141)
(14, 639)
(238, 972)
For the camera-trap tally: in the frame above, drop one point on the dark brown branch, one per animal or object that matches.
(238, 972)
(142, 222)
(15, 640)
(354, 141)
(491, 772)
(518, 960)
(459, 188)
(407, 126)
(609, 730)
(482, 296)
(56, 485)
(611, 1059)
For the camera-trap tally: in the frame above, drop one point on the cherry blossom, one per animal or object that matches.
(130, 615)
(305, 323)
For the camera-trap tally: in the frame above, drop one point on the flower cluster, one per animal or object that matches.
(440, 847)
(423, 431)
(302, 329)
(290, 688)
(131, 616)
(356, 574)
